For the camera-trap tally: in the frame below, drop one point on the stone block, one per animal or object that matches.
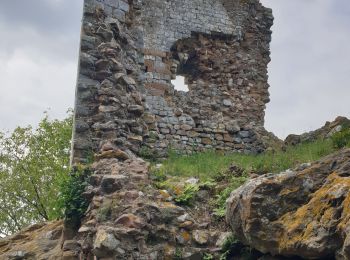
(112, 183)
(124, 6)
(207, 141)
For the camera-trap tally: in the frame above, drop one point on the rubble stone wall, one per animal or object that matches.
(169, 21)
(130, 52)
(108, 97)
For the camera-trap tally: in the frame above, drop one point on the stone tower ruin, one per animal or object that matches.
(130, 52)
(127, 108)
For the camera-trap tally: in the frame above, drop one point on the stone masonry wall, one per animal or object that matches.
(130, 52)
(222, 49)
(108, 100)
(169, 21)
(126, 106)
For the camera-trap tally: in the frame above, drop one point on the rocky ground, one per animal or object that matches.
(302, 213)
(128, 218)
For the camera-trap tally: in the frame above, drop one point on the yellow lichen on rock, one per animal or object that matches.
(320, 212)
(40, 241)
(297, 213)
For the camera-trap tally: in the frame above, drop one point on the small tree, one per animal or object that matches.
(33, 163)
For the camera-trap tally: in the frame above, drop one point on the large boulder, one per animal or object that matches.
(303, 212)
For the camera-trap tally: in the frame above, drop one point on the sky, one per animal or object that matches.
(310, 67)
(308, 73)
(39, 48)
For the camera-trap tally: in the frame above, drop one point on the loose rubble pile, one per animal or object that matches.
(302, 212)
(130, 219)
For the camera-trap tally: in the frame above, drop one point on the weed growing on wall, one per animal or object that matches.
(71, 194)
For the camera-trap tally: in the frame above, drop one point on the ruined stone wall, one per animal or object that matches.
(165, 22)
(126, 107)
(222, 50)
(130, 51)
(108, 100)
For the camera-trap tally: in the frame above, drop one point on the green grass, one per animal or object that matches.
(208, 165)
(212, 167)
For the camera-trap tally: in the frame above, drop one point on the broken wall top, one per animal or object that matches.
(130, 52)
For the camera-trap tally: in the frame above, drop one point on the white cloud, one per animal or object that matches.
(38, 60)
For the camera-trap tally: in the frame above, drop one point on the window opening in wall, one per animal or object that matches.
(179, 84)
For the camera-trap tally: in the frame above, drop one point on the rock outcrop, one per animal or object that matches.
(37, 242)
(324, 132)
(303, 212)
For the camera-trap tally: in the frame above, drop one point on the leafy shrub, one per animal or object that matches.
(71, 197)
(178, 254)
(341, 139)
(220, 202)
(188, 194)
(208, 184)
(157, 176)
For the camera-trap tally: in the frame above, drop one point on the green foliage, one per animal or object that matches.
(71, 198)
(221, 197)
(157, 176)
(187, 194)
(228, 243)
(207, 184)
(33, 162)
(228, 247)
(178, 254)
(208, 257)
(341, 139)
(211, 168)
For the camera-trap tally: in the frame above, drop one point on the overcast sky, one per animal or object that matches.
(38, 59)
(308, 73)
